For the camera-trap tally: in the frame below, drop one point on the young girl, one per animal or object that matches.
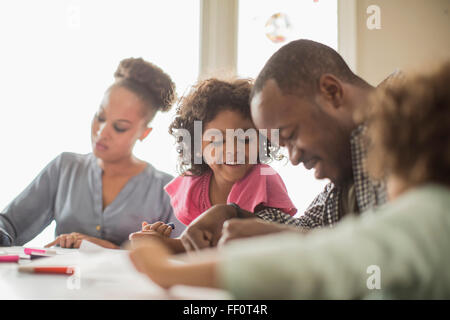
(220, 106)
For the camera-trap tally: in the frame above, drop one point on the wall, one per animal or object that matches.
(413, 32)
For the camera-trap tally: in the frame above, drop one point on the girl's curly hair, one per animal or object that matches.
(203, 102)
(147, 81)
(409, 128)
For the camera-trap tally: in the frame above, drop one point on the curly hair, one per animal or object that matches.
(409, 128)
(204, 101)
(148, 82)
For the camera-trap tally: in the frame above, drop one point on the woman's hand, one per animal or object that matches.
(73, 240)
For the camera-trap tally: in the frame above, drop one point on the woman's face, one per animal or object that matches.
(225, 164)
(118, 124)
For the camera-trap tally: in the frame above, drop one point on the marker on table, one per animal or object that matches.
(49, 270)
(30, 251)
(9, 258)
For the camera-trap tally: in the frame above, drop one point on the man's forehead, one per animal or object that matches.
(269, 106)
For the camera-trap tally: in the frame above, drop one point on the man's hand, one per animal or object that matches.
(243, 228)
(206, 230)
(73, 240)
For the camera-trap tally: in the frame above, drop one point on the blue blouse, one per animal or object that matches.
(69, 191)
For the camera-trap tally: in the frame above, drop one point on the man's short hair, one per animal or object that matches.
(298, 66)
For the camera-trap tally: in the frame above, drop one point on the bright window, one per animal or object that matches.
(261, 24)
(57, 59)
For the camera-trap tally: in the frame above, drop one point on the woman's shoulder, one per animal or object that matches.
(76, 157)
(157, 175)
(71, 159)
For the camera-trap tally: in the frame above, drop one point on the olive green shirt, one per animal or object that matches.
(402, 251)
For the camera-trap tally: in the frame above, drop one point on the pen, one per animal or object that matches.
(52, 270)
(9, 258)
(30, 251)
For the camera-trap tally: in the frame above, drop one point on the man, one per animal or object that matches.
(307, 91)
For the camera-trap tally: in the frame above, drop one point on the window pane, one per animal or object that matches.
(57, 59)
(258, 38)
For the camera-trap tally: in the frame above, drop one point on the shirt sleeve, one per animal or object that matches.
(5, 239)
(278, 216)
(262, 186)
(33, 209)
(312, 217)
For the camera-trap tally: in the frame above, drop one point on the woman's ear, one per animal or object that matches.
(145, 133)
(331, 89)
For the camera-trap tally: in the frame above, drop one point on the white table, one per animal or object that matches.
(102, 274)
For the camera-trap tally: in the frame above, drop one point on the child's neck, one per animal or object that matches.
(219, 189)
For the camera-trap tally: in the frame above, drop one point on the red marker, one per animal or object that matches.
(49, 269)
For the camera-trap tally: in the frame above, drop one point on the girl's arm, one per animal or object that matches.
(174, 244)
(151, 256)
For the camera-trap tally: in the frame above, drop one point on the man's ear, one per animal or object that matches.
(145, 133)
(331, 89)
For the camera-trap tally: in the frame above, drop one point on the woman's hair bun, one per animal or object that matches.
(149, 77)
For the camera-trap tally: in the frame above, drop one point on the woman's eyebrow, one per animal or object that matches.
(123, 120)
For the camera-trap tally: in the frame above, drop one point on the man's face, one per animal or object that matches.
(309, 127)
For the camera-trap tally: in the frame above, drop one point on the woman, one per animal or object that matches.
(105, 195)
(400, 251)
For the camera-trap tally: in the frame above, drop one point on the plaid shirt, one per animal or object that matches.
(324, 210)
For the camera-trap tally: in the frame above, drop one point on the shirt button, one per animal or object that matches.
(98, 228)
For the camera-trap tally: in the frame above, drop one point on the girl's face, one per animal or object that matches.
(117, 125)
(213, 147)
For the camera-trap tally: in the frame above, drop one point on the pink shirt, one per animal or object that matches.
(189, 195)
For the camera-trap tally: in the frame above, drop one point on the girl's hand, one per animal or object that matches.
(151, 257)
(73, 240)
(159, 227)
